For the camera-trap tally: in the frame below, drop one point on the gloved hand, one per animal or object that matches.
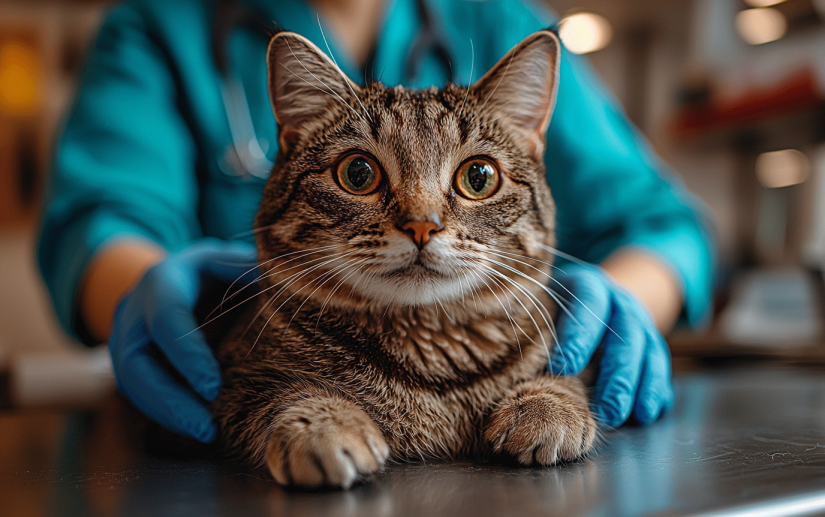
(160, 310)
(635, 361)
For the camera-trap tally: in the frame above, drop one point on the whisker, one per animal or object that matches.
(578, 261)
(382, 316)
(565, 256)
(545, 314)
(299, 275)
(344, 77)
(513, 295)
(329, 297)
(558, 344)
(544, 287)
(463, 292)
(499, 81)
(445, 311)
(333, 92)
(335, 290)
(512, 323)
(263, 328)
(274, 270)
(469, 84)
(563, 303)
(210, 319)
(509, 256)
(253, 231)
(257, 266)
(529, 314)
(329, 275)
(519, 255)
(553, 332)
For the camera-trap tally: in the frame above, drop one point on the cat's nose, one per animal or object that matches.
(420, 231)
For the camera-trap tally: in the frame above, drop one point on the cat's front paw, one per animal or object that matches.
(542, 428)
(325, 443)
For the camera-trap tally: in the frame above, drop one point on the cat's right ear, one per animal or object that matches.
(303, 84)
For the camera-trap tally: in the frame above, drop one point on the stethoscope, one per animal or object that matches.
(247, 156)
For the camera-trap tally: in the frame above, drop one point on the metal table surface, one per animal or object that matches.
(737, 438)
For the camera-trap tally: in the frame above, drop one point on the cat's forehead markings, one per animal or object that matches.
(415, 149)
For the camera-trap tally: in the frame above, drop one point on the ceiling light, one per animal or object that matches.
(782, 168)
(583, 33)
(763, 3)
(758, 26)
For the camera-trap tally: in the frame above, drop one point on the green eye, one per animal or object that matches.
(358, 174)
(477, 179)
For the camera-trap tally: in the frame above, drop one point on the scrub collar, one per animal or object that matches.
(401, 25)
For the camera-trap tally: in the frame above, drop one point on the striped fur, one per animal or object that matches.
(363, 348)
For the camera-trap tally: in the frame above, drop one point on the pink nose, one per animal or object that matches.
(420, 232)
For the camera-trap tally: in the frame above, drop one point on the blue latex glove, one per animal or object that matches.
(635, 362)
(160, 310)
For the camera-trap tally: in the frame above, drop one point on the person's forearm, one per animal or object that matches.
(112, 273)
(649, 279)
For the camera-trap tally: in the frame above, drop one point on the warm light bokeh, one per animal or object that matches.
(583, 33)
(762, 25)
(20, 79)
(783, 168)
(763, 3)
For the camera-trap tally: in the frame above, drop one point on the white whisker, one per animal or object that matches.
(518, 300)
(470, 83)
(503, 75)
(257, 266)
(510, 319)
(329, 275)
(344, 77)
(511, 256)
(543, 311)
(210, 319)
(544, 287)
(300, 275)
(331, 91)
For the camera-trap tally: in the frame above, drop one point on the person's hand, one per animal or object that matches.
(160, 311)
(634, 376)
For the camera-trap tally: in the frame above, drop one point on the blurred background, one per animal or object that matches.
(731, 93)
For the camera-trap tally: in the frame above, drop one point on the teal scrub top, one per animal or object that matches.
(142, 146)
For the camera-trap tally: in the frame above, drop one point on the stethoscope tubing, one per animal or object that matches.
(246, 157)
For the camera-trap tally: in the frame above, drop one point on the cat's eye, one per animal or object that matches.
(358, 174)
(477, 178)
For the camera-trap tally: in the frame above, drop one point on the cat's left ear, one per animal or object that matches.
(304, 83)
(522, 85)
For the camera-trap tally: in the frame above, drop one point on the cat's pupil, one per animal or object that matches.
(478, 174)
(359, 172)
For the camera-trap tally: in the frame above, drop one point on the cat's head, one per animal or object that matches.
(407, 197)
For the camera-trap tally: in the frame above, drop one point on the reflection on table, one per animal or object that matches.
(736, 437)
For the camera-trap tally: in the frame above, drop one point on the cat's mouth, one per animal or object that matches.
(415, 270)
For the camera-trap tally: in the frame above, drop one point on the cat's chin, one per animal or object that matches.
(414, 285)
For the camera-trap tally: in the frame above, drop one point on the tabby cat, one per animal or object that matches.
(404, 241)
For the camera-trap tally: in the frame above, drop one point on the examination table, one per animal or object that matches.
(740, 441)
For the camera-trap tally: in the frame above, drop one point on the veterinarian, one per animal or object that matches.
(159, 172)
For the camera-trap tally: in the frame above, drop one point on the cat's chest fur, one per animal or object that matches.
(426, 377)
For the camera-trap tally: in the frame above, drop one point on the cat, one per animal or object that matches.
(404, 241)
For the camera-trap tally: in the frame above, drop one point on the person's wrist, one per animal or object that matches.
(652, 283)
(113, 272)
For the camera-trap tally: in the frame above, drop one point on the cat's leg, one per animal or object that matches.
(543, 421)
(324, 440)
